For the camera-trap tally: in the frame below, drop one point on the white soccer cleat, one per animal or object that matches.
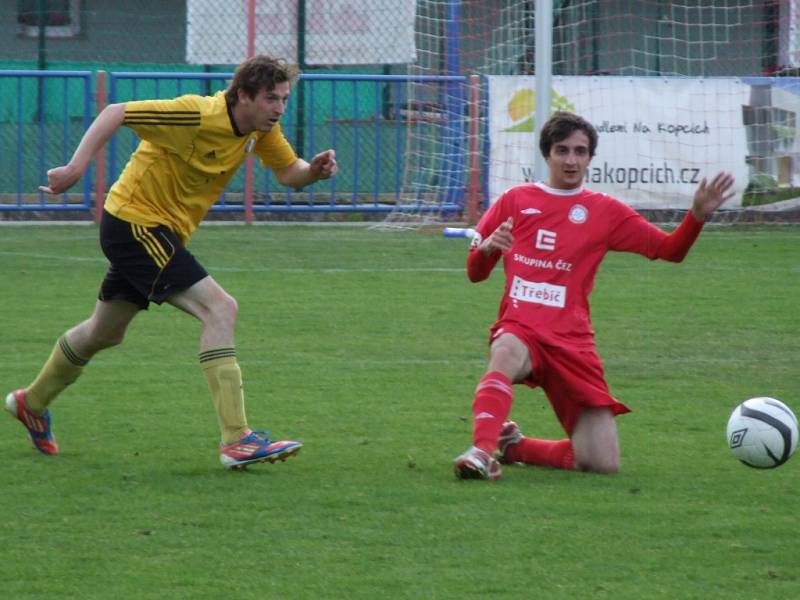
(477, 464)
(509, 435)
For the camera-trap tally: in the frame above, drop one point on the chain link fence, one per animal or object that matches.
(728, 38)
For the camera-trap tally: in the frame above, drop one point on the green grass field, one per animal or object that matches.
(367, 346)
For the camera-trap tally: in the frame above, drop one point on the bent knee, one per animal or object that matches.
(110, 339)
(101, 340)
(510, 356)
(225, 307)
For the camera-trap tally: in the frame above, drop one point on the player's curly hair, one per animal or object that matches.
(560, 126)
(258, 73)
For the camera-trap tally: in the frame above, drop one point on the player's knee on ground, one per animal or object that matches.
(604, 465)
(595, 441)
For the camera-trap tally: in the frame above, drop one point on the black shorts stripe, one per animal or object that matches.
(151, 244)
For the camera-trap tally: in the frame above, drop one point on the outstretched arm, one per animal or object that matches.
(301, 173)
(60, 179)
(710, 196)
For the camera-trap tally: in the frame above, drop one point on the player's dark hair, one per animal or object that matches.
(560, 126)
(258, 73)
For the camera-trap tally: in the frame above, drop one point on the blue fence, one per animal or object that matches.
(365, 118)
(43, 115)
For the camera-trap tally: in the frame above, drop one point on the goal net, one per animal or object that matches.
(677, 90)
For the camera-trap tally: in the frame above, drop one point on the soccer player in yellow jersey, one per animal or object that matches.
(190, 148)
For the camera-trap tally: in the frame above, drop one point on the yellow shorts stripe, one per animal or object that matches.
(151, 245)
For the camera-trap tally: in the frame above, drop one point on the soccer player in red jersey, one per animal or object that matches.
(552, 237)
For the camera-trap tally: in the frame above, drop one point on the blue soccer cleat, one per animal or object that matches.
(256, 447)
(38, 426)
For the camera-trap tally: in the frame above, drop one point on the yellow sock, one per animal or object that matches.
(61, 369)
(225, 383)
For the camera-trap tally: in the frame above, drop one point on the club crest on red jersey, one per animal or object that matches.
(578, 214)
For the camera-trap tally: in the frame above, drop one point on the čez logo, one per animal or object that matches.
(545, 240)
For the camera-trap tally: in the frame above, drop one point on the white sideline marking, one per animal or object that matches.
(55, 257)
(365, 363)
(334, 270)
(254, 269)
(338, 270)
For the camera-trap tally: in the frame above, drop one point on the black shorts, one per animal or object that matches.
(148, 264)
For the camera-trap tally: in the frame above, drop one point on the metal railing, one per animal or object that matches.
(365, 118)
(43, 115)
(357, 115)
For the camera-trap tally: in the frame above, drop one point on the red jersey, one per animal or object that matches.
(560, 239)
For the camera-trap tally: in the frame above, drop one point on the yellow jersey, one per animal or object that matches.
(189, 150)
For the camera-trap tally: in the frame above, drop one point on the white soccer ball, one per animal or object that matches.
(762, 433)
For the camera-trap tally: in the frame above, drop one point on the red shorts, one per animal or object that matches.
(572, 378)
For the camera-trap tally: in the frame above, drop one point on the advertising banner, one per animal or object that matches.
(658, 137)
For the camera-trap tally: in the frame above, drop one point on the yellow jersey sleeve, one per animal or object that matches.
(274, 150)
(169, 124)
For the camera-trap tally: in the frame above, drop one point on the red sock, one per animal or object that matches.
(544, 453)
(490, 409)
